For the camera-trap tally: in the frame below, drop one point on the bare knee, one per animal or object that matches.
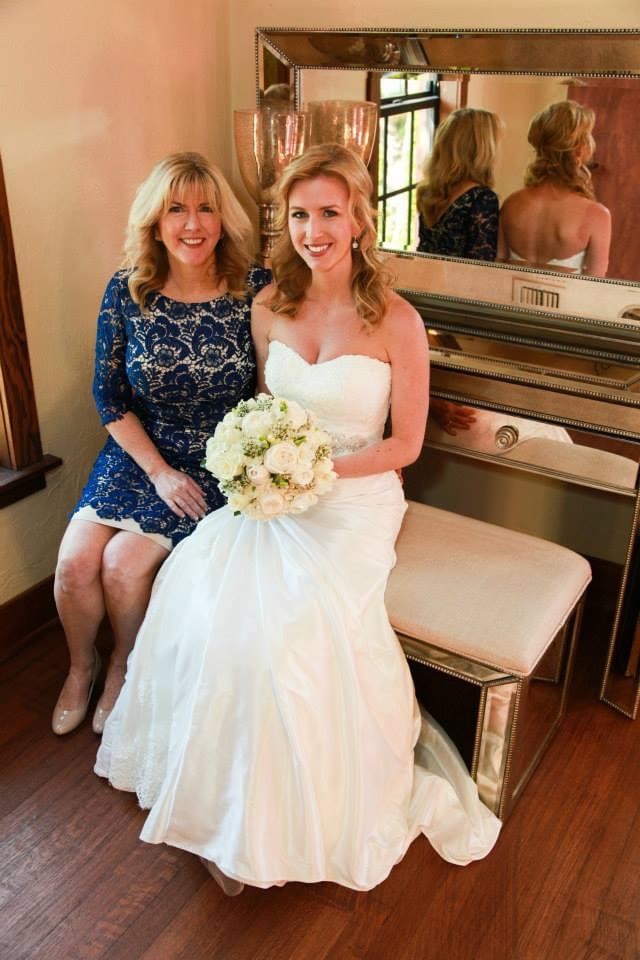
(79, 562)
(129, 564)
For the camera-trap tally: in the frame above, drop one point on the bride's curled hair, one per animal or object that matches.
(145, 255)
(370, 280)
(561, 135)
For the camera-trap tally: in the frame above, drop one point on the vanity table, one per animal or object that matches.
(528, 349)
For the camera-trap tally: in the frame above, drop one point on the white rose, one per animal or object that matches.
(271, 503)
(226, 433)
(302, 502)
(302, 475)
(323, 468)
(324, 476)
(238, 500)
(258, 474)
(252, 510)
(224, 462)
(257, 423)
(231, 420)
(306, 453)
(296, 415)
(281, 457)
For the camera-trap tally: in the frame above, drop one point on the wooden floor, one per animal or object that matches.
(76, 884)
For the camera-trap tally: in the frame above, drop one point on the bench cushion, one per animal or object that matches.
(484, 592)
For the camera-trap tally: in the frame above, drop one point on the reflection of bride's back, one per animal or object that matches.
(554, 221)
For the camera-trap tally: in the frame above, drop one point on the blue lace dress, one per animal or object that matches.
(467, 228)
(179, 368)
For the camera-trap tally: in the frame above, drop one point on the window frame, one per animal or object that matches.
(409, 103)
(25, 466)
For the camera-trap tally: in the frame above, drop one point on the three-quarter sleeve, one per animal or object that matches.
(111, 387)
(482, 234)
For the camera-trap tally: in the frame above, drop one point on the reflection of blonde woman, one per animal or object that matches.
(456, 203)
(555, 221)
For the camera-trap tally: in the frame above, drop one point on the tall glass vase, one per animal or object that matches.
(267, 140)
(351, 123)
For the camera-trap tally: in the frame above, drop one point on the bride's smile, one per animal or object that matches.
(321, 227)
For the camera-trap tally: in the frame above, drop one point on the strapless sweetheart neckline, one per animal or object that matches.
(323, 363)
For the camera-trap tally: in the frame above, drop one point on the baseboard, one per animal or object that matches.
(28, 612)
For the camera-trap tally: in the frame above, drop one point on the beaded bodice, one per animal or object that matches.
(349, 394)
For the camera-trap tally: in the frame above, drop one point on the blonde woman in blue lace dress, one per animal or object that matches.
(173, 354)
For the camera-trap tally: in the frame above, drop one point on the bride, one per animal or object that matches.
(268, 720)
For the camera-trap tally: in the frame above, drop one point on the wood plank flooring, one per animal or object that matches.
(77, 884)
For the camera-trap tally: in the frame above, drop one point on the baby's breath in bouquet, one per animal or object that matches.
(270, 458)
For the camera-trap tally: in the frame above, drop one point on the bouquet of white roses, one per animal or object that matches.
(270, 457)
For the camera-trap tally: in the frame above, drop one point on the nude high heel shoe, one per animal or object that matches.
(101, 713)
(99, 719)
(229, 886)
(64, 721)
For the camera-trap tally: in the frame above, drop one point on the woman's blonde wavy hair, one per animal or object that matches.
(559, 134)
(370, 281)
(464, 148)
(146, 257)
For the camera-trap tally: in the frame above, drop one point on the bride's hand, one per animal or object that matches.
(180, 493)
(451, 416)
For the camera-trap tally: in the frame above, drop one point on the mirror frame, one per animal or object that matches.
(562, 52)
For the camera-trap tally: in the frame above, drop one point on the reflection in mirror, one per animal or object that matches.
(413, 105)
(502, 357)
(512, 73)
(621, 685)
(516, 100)
(595, 461)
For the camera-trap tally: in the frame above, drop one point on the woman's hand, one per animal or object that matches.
(180, 493)
(451, 416)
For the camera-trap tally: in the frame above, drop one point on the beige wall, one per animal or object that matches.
(92, 94)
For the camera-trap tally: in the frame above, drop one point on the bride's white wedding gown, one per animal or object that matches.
(268, 719)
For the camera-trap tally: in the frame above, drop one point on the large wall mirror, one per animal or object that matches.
(419, 77)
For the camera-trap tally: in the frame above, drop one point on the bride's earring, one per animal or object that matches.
(354, 244)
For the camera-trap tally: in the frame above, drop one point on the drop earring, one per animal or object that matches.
(354, 244)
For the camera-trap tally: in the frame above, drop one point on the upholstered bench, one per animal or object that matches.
(488, 619)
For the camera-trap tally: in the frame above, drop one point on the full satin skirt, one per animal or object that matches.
(268, 720)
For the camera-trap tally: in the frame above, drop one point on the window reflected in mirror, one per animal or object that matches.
(408, 123)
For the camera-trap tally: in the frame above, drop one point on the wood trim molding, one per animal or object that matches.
(16, 384)
(23, 464)
(28, 612)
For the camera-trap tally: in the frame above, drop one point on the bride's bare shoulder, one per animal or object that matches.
(401, 314)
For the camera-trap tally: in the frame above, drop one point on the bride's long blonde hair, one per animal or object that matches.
(370, 281)
(561, 135)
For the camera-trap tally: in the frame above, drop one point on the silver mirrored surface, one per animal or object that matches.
(512, 73)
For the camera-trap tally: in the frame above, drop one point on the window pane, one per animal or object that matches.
(398, 151)
(425, 124)
(391, 86)
(397, 221)
(381, 156)
(415, 222)
(421, 82)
